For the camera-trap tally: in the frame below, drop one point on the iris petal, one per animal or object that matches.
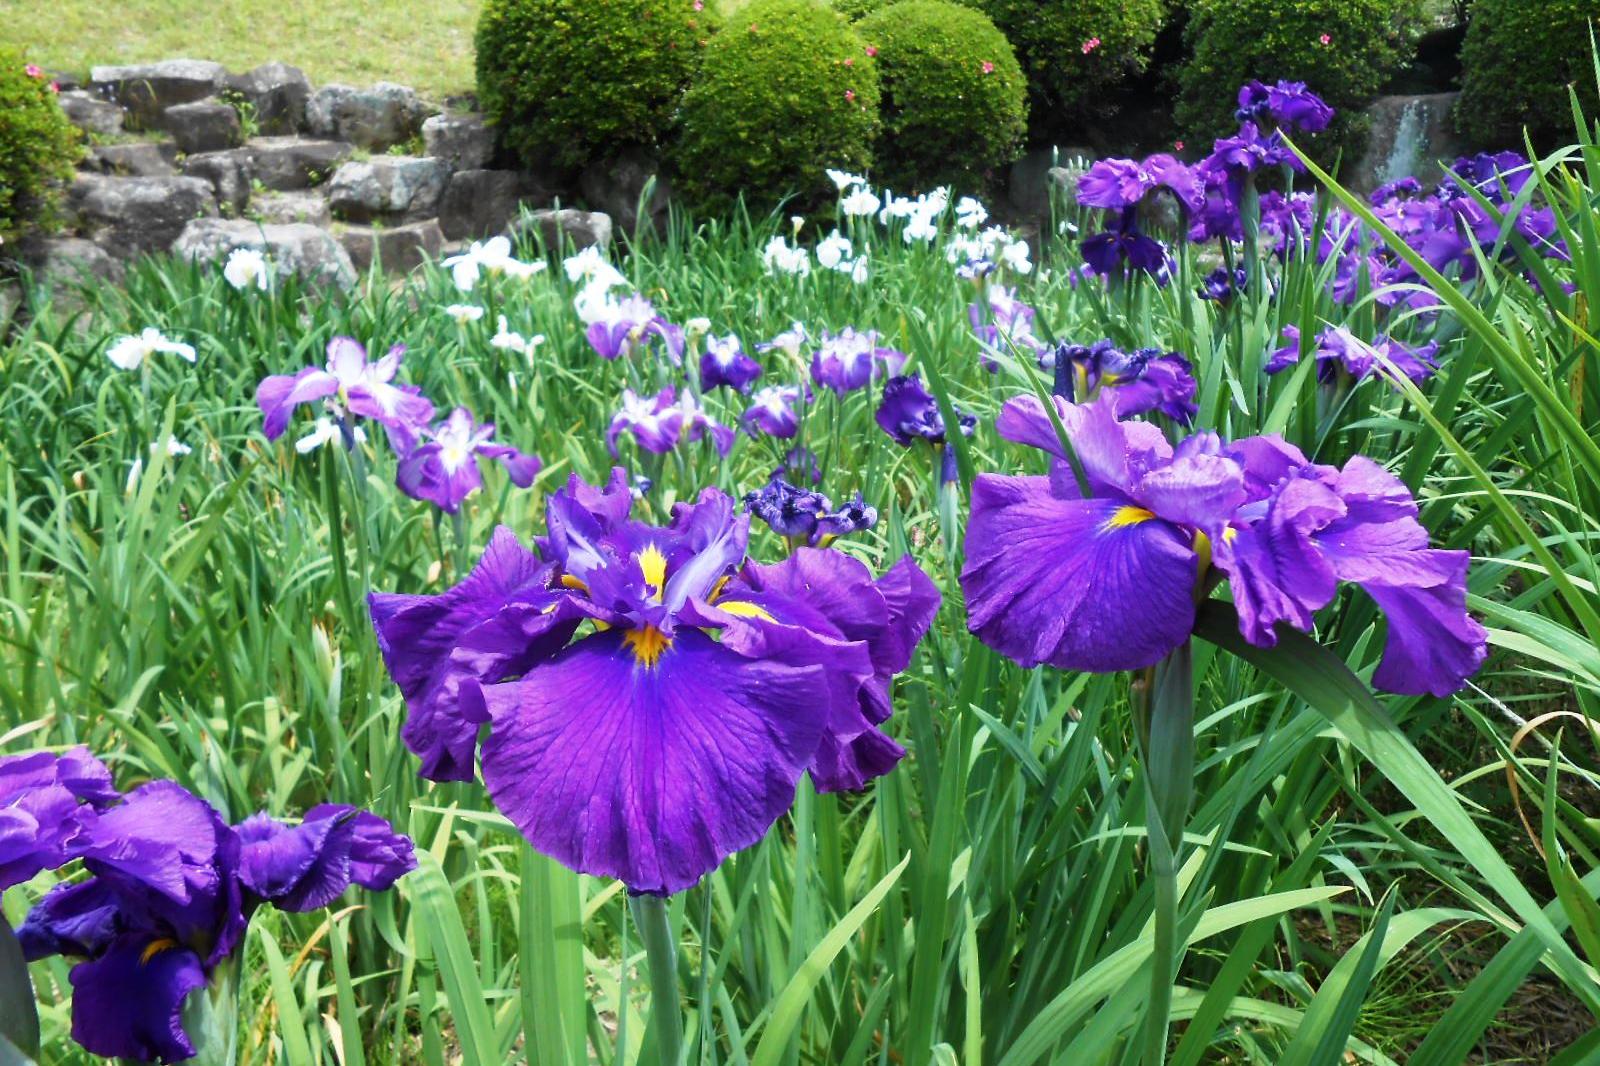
(125, 1005)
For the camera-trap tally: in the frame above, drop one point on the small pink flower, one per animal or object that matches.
(33, 70)
(872, 50)
(1325, 40)
(55, 87)
(699, 5)
(849, 94)
(988, 67)
(1090, 45)
(850, 61)
(1177, 146)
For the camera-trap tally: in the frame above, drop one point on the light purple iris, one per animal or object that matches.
(170, 893)
(848, 360)
(618, 328)
(1003, 325)
(773, 411)
(725, 363)
(1115, 184)
(657, 744)
(1132, 383)
(1110, 581)
(46, 804)
(1337, 349)
(351, 386)
(659, 423)
(1286, 105)
(443, 468)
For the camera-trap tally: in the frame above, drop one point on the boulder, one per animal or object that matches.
(396, 186)
(308, 251)
(397, 248)
(203, 126)
(276, 95)
(230, 174)
(138, 159)
(307, 206)
(1028, 189)
(148, 89)
(616, 187)
(481, 203)
(134, 216)
(375, 118)
(296, 162)
(56, 260)
(565, 228)
(1407, 136)
(91, 114)
(466, 142)
(1062, 183)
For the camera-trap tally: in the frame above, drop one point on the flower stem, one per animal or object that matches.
(655, 931)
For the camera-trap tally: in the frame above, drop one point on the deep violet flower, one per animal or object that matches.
(1132, 383)
(1337, 349)
(848, 360)
(773, 411)
(349, 385)
(443, 469)
(46, 803)
(661, 422)
(806, 516)
(654, 746)
(724, 363)
(1286, 105)
(1110, 581)
(1122, 246)
(1222, 285)
(909, 413)
(171, 891)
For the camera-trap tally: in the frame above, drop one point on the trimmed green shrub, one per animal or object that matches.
(856, 10)
(38, 146)
(1074, 51)
(955, 103)
(572, 81)
(786, 91)
(1516, 63)
(1233, 41)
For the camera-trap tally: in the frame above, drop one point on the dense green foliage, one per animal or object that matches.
(1233, 41)
(1517, 62)
(787, 89)
(572, 81)
(37, 145)
(954, 99)
(1068, 74)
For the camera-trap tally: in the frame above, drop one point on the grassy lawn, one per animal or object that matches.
(423, 43)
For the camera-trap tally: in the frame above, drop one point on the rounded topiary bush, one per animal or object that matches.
(1074, 51)
(1343, 49)
(1517, 61)
(786, 91)
(955, 102)
(38, 146)
(571, 81)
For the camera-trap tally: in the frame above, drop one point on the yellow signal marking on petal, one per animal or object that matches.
(654, 565)
(1202, 551)
(647, 644)
(716, 590)
(568, 581)
(155, 948)
(1127, 515)
(746, 609)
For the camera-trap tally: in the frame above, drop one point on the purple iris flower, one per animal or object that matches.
(1287, 104)
(655, 745)
(443, 469)
(1249, 151)
(1337, 349)
(724, 363)
(47, 802)
(909, 413)
(618, 328)
(351, 386)
(1499, 176)
(773, 411)
(1122, 245)
(1110, 581)
(848, 360)
(799, 464)
(807, 516)
(855, 516)
(1289, 220)
(1222, 285)
(171, 891)
(1133, 383)
(1116, 184)
(1003, 324)
(658, 423)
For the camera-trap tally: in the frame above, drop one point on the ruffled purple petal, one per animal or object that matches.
(77, 918)
(129, 1002)
(307, 867)
(280, 394)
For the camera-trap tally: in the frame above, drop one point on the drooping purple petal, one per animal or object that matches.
(310, 865)
(128, 1003)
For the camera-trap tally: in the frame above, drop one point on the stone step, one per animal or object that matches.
(231, 174)
(137, 159)
(207, 125)
(397, 248)
(275, 95)
(376, 118)
(288, 163)
(482, 203)
(308, 251)
(145, 90)
(134, 216)
(91, 114)
(395, 187)
(307, 206)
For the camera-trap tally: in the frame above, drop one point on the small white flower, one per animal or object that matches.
(506, 340)
(1015, 257)
(246, 268)
(173, 445)
(698, 326)
(464, 313)
(844, 181)
(896, 207)
(492, 256)
(796, 224)
(134, 472)
(779, 258)
(517, 270)
(922, 227)
(591, 267)
(860, 271)
(326, 431)
(834, 250)
(860, 203)
(970, 213)
(129, 353)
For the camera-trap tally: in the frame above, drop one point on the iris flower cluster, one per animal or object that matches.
(170, 891)
(806, 516)
(1107, 575)
(652, 695)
